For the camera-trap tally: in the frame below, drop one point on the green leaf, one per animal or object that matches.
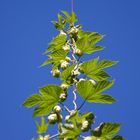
(46, 101)
(106, 63)
(57, 43)
(47, 62)
(67, 72)
(87, 48)
(61, 22)
(102, 98)
(92, 93)
(94, 70)
(85, 89)
(55, 58)
(70, 18)
(42, 126)
(110, 129)
(70, 133)
(58, 55)
(93, 37)
(32, 100)
(118, 138)
(89, 66)
(101, 75)
(80, 117)
(102, 85)
(106, 130)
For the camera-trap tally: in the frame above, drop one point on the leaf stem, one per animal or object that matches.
(65, 107)
(82, 137)
(81, 105)
(72, 5)
(54, 136)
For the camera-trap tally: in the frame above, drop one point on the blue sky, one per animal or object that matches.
(25, 31)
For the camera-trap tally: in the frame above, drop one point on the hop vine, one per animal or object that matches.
(86, 78)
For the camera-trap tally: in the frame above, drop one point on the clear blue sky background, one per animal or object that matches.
(25, 31)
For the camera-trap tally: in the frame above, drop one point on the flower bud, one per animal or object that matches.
(69, 126)
(67, 118)
(52, 118)
(41, 138)
(85, 125)
(57, 109)
(46, 137)
(75, 72)
(73, 112)
(63, 97)
(66, 47)
(74, 30)
(89, 138)
(56, 73)
(68, 59)
(78, 52)
(64, 64)
(64, 86)
(75, 81)
(62, 32)
(92, 81)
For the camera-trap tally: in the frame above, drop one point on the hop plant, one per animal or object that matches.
(86, 78)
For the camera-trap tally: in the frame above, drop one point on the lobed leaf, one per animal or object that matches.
(92, 93)
(106, 130)
(42, 126)
(45, 101)
(67, 72)
(57, 43)
(94, 69)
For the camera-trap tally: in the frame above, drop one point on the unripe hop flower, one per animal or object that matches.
(88, 138)
(73, 112)
(41, 138)
(66, 47)
(63, 96)
(78, 52)
(64, 86)
(57, 109)
(74, 30)
(69, 125)
(62, 32)
(64, 64)
(75, 72)
(67, 118)
(56, 73)
(52, 118)
(68, 59)
(46, 137)
(85, 124)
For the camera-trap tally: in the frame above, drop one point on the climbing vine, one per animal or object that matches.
(86, 78)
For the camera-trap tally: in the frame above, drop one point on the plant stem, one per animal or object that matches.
(54, 136)
(72, 5)
(81, 105)
(82, 136)
(65, 107)
(74, 100)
